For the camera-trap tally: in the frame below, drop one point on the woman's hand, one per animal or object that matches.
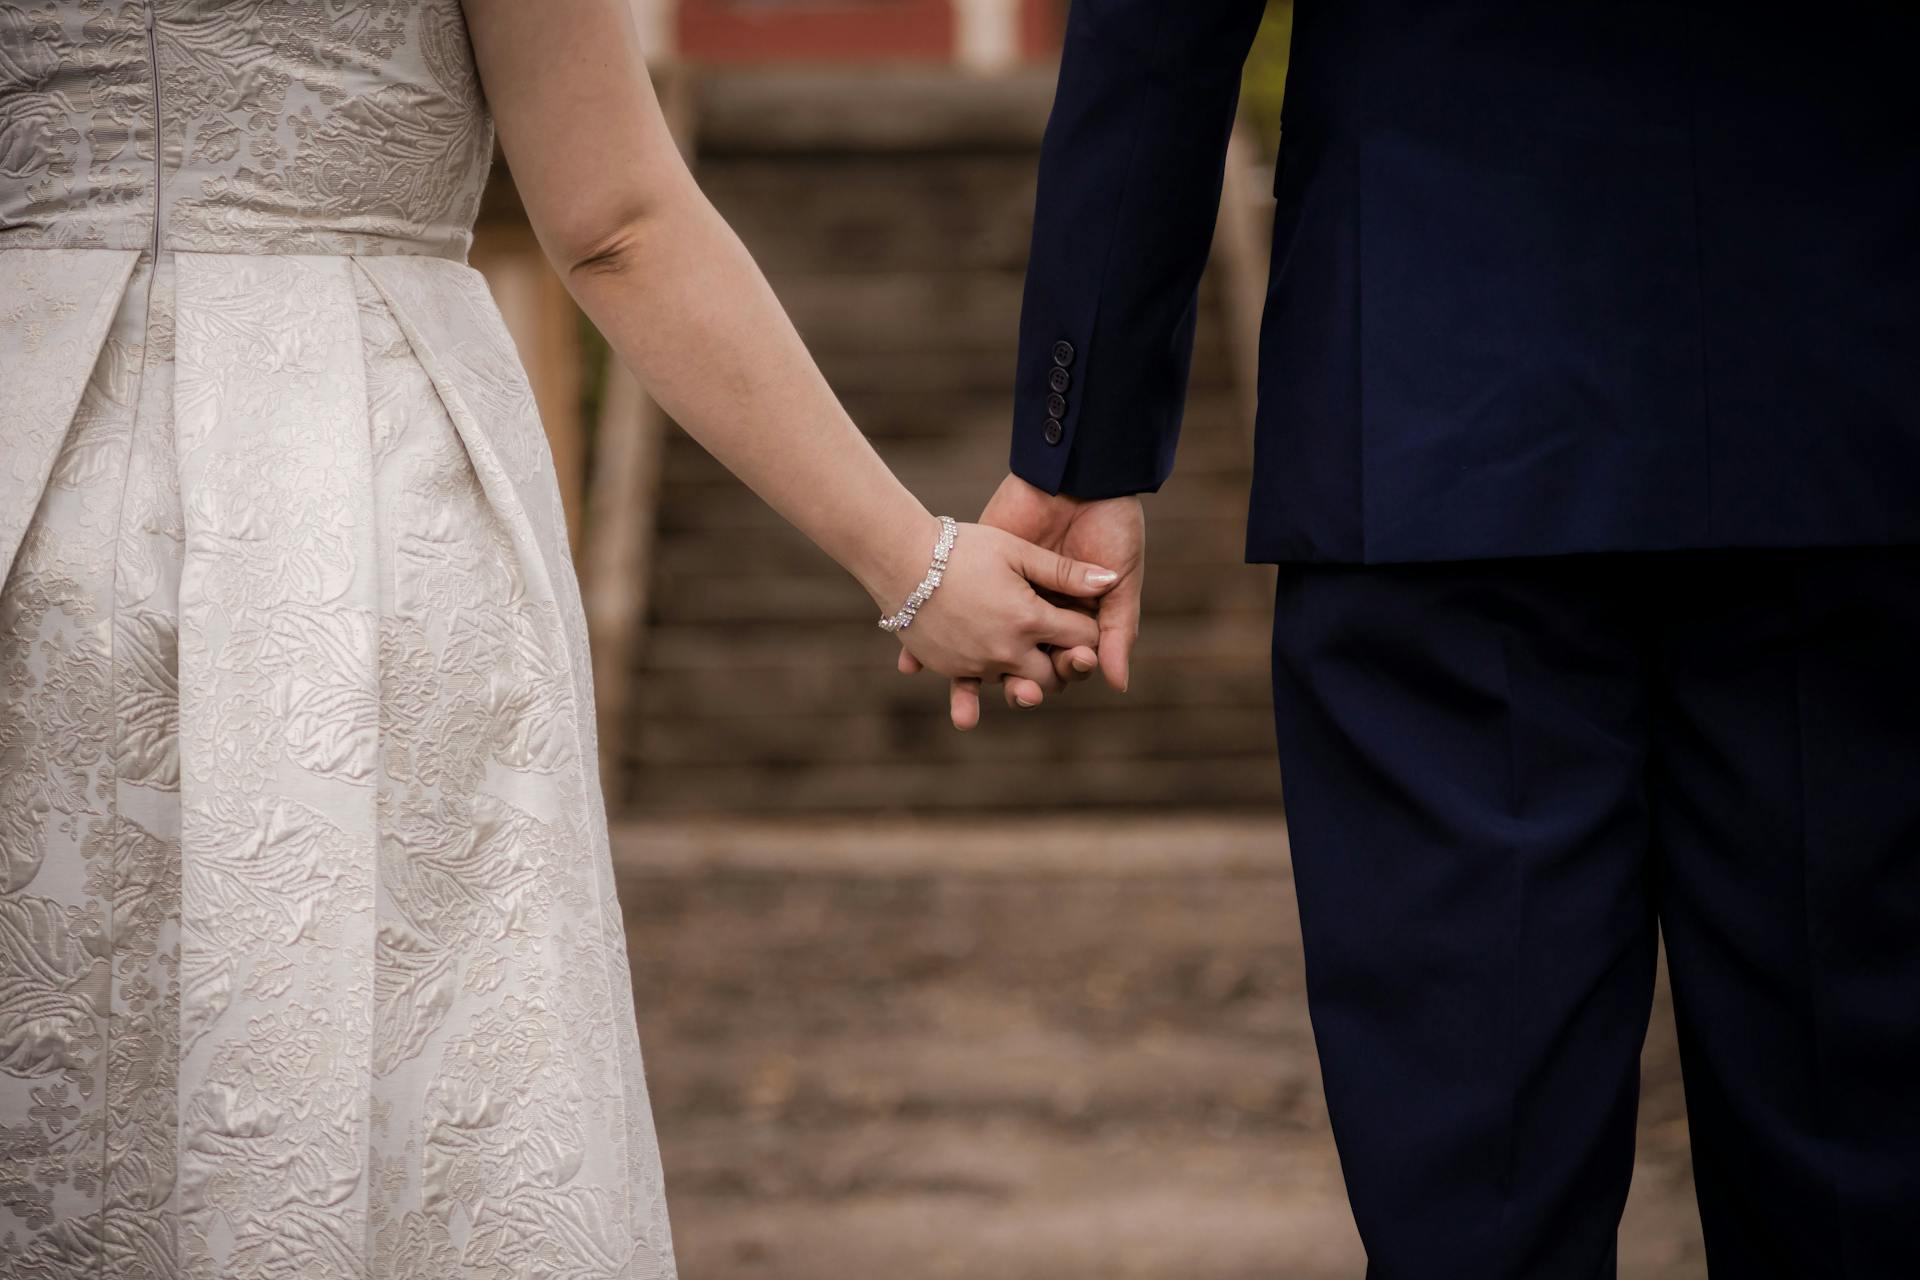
(987, 621)
(1114, 531)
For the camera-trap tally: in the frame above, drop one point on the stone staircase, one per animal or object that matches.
(1033, 1047)
(891, 213)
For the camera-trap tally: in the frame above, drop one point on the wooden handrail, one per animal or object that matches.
(1243, 239)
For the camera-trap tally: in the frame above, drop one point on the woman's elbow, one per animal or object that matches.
(611, 250)
(610, 239)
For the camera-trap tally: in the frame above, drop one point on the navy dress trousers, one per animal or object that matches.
(1588, 447)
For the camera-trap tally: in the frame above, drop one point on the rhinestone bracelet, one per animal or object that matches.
(941, 550)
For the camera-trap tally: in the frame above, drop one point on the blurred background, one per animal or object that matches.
(1023, 1003)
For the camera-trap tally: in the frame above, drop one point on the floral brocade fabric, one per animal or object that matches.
(311, 964)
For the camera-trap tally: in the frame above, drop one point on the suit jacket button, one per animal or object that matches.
(1059, 379)
(1056, 406)
(1063, 353)
(1054, 431)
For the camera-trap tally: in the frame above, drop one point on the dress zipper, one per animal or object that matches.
(159, 169)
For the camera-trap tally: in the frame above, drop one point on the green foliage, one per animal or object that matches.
(1264, 84)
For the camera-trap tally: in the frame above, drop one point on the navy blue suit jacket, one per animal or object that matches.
(1548, 275)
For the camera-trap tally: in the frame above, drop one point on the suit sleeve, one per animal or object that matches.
(1129, 189)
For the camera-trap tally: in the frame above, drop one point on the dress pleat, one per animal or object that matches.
(56, 307)
(279, 760)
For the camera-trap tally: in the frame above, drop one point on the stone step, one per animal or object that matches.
(737, 543)
(1184, 507)
(953, 212)
(969, 429)
(1098, 731)
(990, 782)
(1215, 642)
(873, 315)
(773, 702)
(1046, 1075)
(1229, 784)
(908, 110)
(855, 320)
(1175, 543)
(940, 1199)
(985, 366)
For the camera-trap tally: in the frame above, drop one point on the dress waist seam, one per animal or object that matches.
(145, 252)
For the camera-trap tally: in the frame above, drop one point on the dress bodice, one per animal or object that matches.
(284, 126)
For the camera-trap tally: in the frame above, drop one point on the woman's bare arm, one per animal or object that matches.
(670, 285)
(683, 304)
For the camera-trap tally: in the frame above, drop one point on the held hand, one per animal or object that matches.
(1110, 532)
(986, 621)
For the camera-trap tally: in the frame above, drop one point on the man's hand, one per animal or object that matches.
(1110, 532)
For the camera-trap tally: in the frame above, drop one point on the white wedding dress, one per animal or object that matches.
(310, 960)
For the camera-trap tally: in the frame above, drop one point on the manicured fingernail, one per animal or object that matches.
(1081, 664)
(1022, 702)
(1101, 577)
